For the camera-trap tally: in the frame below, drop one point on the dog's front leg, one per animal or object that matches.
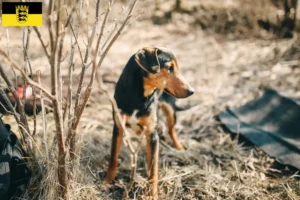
(117, 140)
(171, 120)
(152, 161)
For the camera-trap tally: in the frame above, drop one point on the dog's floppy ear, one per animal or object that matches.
(147, 59)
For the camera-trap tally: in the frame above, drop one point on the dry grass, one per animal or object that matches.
(224, 72)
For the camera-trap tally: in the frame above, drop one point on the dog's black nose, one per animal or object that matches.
(190, 91)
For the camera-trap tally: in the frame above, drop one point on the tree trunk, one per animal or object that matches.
(288, 24)
(178, 5)
(290, 8)
(157, 4)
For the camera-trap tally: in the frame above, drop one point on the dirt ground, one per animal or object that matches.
(227, 66)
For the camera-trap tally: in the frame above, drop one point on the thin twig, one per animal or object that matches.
(38, 76)
(7, 52)
(68, 107)
(70, 141)
(114, 39)
(20, 107)
(34, 110)
(176, 176)
(42, 42)
(110, 35)
(10, 106)
(178, 183)
(23, 98)
(117, 34)
(50, 30)
(102, 28)
(7, 41)
(79, 109)
(87, 53)
(25, 48)
(1, 104)
(27, 63)
(29, 80)
(69, 103)
(60, 51)
(96, 66)
(134, 153)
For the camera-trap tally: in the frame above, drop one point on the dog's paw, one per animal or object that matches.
(179, 147)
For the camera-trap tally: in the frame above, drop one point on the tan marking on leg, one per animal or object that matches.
(152, 151)
(169, 113)
(117, 140)
(152, 162)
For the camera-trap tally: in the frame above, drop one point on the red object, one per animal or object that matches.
(20, 91)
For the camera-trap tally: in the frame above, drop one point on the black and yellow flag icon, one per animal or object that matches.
(22, 14)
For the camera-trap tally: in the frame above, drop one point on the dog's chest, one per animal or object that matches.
(138, 125)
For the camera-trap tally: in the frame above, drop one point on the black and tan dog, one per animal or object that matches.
(150, 70)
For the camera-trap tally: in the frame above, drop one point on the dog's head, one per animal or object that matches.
(162, 71)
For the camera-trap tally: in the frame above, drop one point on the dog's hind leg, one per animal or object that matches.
(152, 162)
(171, 119)
(117, 140)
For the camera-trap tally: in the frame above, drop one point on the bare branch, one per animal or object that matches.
(114, 39)
(75, 37)
(42, 42)
(117, 34)
(95, 66)
(20, 107)
(56, 103)
(59, 57)
(34, 110)
(25, 50)
(51, 35)
(1, 104)
(87, 53)
(29, 80)
(27, 63)
(38, 75)
(110, 35)
(18, 104)
(102, 30)
(10, 106)
(75, 121)
(70, 73)
(7, 40)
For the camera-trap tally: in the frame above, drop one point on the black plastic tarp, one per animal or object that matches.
(272, 122)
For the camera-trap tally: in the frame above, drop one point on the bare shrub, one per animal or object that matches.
(54, 167)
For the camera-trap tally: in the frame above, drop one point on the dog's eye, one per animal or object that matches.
(171, 69)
